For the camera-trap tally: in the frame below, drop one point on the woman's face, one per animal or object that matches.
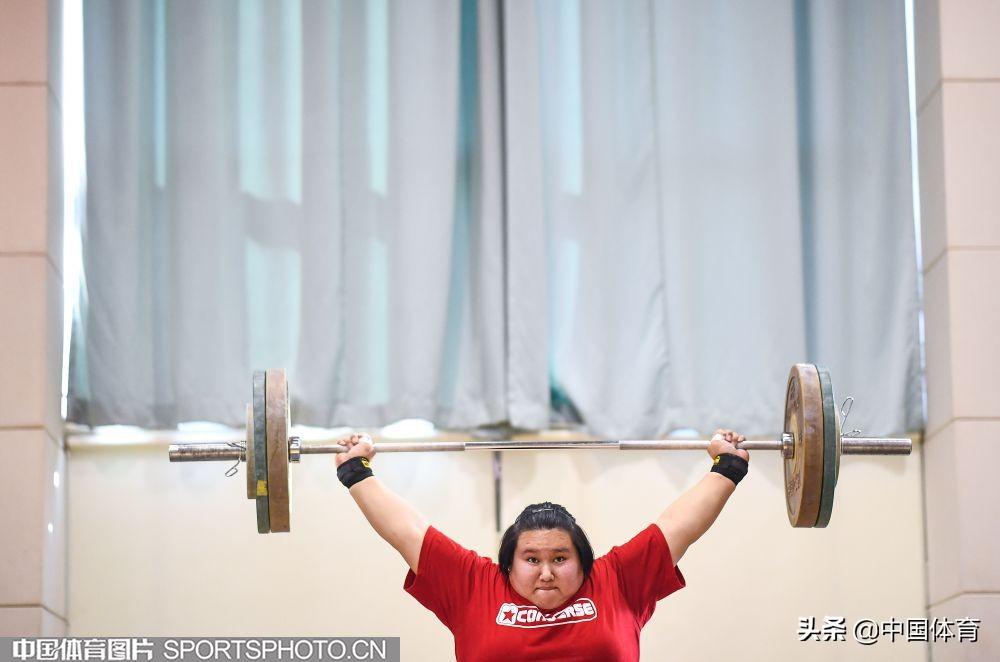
(546, 569)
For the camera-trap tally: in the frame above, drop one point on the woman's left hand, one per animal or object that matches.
(724, 441)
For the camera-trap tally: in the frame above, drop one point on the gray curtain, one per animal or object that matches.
(288, 184)
(634, 214)
(711, 191)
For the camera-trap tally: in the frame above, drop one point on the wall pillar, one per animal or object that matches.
(32, 453)
(958, 119)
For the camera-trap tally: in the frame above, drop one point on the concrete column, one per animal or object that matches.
(958, 119)
(32, 454)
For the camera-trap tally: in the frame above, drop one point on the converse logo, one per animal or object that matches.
(529, 616)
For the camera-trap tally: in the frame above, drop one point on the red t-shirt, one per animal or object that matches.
(490, 621)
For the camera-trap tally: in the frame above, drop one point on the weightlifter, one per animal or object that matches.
(547, 597)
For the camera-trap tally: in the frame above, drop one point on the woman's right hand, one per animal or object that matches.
(357, 445)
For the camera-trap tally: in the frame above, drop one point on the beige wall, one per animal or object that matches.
(32, 557)
(172, 549)
(958, 96)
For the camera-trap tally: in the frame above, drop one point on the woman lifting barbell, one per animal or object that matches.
(547, 598)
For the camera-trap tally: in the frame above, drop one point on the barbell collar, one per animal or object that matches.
(294, 449)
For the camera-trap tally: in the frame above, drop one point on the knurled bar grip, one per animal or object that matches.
(851, 446)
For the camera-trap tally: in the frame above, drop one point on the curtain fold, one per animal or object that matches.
(640, 212)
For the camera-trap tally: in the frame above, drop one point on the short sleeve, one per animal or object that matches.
(646, 571)
(447, 574)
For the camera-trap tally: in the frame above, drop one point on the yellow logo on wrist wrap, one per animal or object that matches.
(365, 463)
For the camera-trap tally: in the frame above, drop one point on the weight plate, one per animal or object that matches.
(831, 451)
(260, 453)
(248, 455)
(804, 421)
(277, 449)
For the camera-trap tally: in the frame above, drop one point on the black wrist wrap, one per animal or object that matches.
(354, 471)
(731, 466)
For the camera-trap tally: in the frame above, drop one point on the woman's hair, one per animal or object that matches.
(542, 516)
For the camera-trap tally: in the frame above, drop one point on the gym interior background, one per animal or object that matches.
(795, 144)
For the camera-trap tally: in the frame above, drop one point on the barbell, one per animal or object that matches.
(811, 445)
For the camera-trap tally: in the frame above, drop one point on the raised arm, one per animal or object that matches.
(690, 516)
(394, 519)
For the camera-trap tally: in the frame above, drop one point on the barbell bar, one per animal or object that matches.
(207, 452)
(811, 445)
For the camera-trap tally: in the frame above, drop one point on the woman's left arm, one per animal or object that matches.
(690, 516)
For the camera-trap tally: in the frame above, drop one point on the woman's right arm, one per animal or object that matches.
(394, 519)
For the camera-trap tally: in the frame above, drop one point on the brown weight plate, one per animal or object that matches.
(251, 481)
(276, 393)
(804, 421)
